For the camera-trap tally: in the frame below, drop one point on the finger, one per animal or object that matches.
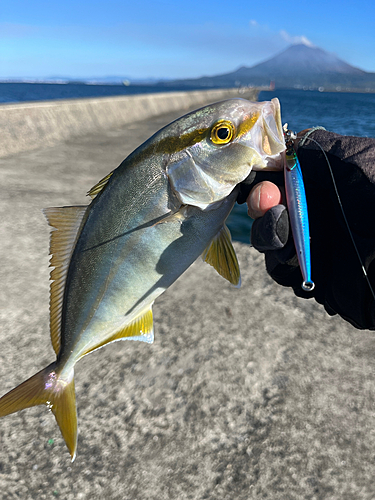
(262, 197)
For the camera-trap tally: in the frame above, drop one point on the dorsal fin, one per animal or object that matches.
(221, 255)
(66, 224)
(141, 328)
(95, 190)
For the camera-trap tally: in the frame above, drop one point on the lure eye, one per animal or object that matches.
(222, 132)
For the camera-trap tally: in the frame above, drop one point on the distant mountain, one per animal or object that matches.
(298, 66)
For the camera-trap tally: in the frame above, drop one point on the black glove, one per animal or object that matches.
(340, 284)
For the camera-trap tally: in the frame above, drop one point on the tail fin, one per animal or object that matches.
(46, 388)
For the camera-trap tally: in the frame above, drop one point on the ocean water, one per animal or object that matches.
(20, 92)
(341, 112)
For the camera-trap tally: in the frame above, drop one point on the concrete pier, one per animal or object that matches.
(26, 126)
(246, 393)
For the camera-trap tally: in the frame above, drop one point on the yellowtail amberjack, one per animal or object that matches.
(149, 220)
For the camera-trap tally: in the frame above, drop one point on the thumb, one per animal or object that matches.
(262, 197)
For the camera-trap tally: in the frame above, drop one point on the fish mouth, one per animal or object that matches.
(263, 133)
(273, 163)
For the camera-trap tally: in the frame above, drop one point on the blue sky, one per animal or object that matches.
(150, 38)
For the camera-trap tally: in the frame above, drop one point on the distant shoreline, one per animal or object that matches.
(27, 91)
(327, 90)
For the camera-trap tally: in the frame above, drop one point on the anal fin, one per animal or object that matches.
(141, 328)
(221, 255)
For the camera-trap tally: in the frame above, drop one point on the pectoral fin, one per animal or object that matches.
(220, 254)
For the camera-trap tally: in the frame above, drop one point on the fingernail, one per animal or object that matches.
(254, 198)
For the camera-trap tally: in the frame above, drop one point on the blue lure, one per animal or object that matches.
(297, 207)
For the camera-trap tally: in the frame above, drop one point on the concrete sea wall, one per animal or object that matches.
(27, 126)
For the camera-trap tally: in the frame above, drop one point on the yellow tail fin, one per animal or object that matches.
(46, 388)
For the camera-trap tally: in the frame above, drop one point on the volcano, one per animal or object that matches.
(298, 66)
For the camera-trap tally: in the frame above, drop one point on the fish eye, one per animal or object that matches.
(222, 132)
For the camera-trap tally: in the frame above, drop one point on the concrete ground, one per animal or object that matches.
(245, 394)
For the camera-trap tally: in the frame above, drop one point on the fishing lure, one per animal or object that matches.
(297, 207)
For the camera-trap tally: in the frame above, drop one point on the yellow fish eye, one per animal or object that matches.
(222, 132)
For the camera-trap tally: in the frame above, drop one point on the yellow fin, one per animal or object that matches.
(66, 223)
(220, 254)
(59, 396)
(95, 190)
(63, 406)
(141, 328)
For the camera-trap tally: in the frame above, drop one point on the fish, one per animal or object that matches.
(149, 220)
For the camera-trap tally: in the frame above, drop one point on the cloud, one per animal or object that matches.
(295, 39)
(267, 34)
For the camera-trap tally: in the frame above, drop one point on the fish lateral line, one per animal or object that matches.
(152, 223)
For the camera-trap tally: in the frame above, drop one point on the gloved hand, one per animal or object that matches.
(339, 280)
